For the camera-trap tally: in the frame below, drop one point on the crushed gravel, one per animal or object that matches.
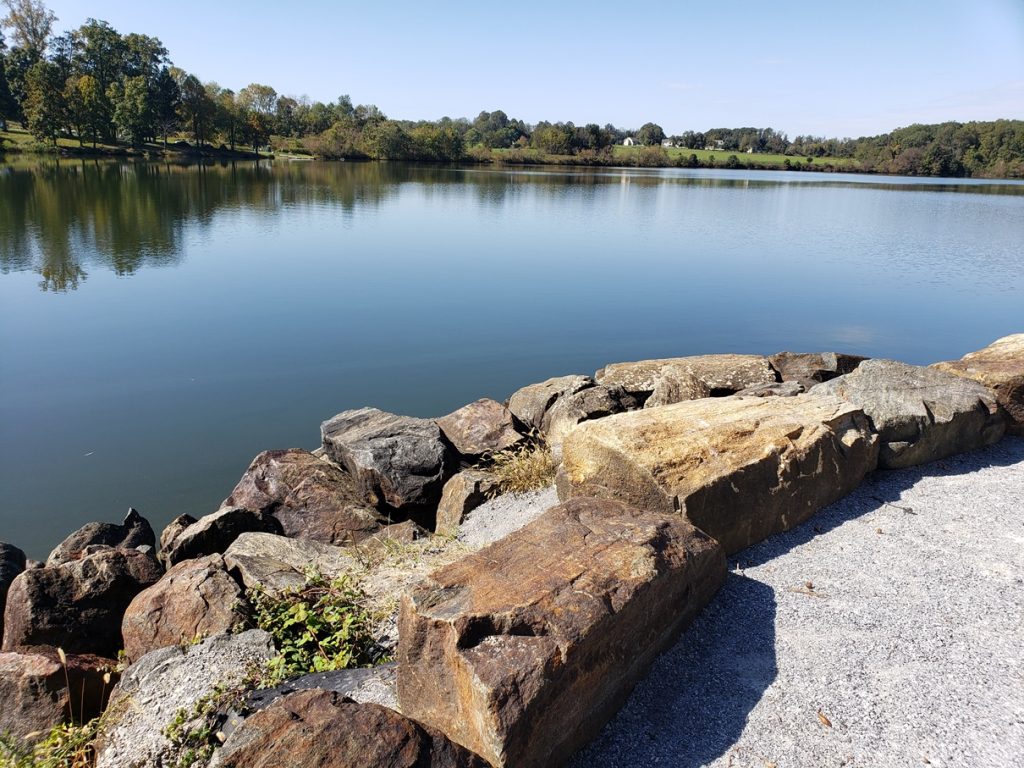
(886, 631)
(498, 517)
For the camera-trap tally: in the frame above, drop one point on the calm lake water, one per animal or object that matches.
(160, 324)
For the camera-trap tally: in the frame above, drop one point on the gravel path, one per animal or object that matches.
(887, 631)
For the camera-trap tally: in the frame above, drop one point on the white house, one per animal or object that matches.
(628, 141)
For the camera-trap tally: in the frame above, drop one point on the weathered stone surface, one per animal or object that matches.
(321, 729)
(194, 599)
(310, 497)
(676, 385)
(1000, 367)
(592, 403)
(740, 469)
(12, 562)
(170, 533)
(214, 533)
(721, 374)
(366, 685)
(154, 688)
(810, 368)
(134, 532)
(77, 606)
(775, 389)
(463, 493)
(482, 427)
(397, 460)
(530, 403)
(920, 414)
(275, 563)
(521, 651)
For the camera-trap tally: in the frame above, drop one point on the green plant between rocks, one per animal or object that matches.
(68, 745)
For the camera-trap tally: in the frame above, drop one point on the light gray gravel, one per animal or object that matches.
(498, 517)
(886, 631)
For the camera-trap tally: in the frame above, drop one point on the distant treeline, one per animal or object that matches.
(95, 86)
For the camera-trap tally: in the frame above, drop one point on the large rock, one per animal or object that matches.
(740, 469)
(321, 729)
(1000, 367)
(310, 497)
(134, 532)
(193, 600)
(592, 403)
(530, 403)
(39, 691)
(366, 685)
(721, 374)
(464, 492)
(276, 563)
(157, 686)
(12, 562)
(676, 385)
(920, 414)
(810, 368)
(522, 651)
(77, 606)
(397, 460)
(482, 427)
(170, 533)
(214, 533)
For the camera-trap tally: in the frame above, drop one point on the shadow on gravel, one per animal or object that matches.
(694, 703)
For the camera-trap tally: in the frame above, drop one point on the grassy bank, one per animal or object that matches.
(17, 140)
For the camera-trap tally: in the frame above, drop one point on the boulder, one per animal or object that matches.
(215, 532)
(153, 690)
(366, 685)
(721, 374)
(1000, 367)
(193, 600)
(480, 428)
(321, 729)
(592, 403)
(810, 368)
(740, 469)
(397, 460)
(39, 691)
(676, 385)
(920, 414)
(12, 562)
(463, 493)
(530, 403)
(134, 532)
(275, 563)
(775, 389)
(523, 650)
(170, 533)
(310, 497)
(77, 606)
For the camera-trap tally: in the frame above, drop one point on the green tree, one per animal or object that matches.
(8, 107)
(166, 100)
(260, 104)
(31, 22)
(44, 101)
(101, 54)
(386, 140)
(133, 111)
(197, 109)
(650, 135)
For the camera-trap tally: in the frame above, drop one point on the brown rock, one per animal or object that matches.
(39, 692)
(775, 389)
(463, 493)
(134, 532)
(530, 403)
(721, 374)
(12, 562)
(740, 469)
(810, 368)
(483, 427)
(77, 606)
(214, 533)
(320, 729)
(309, 496)
(170, 533)
(1000, 367)
(522, 651)
(676, 385)
(592, 403)
(193, 600)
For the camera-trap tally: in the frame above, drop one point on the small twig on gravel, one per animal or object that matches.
(807, 589)
(908, 510)
(824, 720)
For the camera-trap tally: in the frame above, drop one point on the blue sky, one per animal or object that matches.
(831, 69)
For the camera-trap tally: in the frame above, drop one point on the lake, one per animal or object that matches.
(161, 324)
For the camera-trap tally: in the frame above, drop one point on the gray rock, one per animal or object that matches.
(12, 562)
(371, 685)
(482, 427)
(396, 460)
(530, 403)
(463, 493)
(810, 368)
(592, 403)
(775, 389)
(214, 533)
(157, 686)
(676, 385)
(276, 563)
(721, 374)
(920, 414)
(134, 532)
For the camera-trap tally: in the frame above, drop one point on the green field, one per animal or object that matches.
(720, 156)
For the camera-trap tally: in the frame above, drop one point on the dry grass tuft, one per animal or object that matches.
(523, 469)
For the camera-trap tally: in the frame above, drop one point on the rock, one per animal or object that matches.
(276, 563)
(134, 532)
(309, 496)
(523, 650)
(676, 385)
(920, 414)
(39, 692)
(1000, 367)
(77, 606)
(367, 685)
(721, 374)
(157, 686)
(810, 368)
(464, 492)
(530, 403)
(398, 460)
(592, 403)
(480, 428)
(392, 539)
(215, 532)
(170, 533)
(193, 600)
(775, 389)
(321, 729)
(740, 469)
(12, 562)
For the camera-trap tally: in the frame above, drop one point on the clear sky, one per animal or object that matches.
(820, 68)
